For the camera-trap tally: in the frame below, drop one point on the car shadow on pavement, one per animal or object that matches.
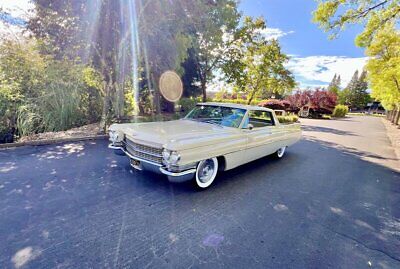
(310, 128)
(350, 150)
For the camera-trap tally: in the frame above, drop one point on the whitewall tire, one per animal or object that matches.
(280, 152)
(206, 172)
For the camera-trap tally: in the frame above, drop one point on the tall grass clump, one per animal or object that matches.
(64, 102)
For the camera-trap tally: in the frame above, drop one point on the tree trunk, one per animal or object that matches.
(393, 115)
(156, 96)
(251, 97)
(203, 88)
(120, 102)
(397, 113)
(106, 106)
(396, 120)
(157, 105)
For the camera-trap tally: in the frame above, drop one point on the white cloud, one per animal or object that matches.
(274, 33)
(16, 8)
(7, 30)
(314, 71)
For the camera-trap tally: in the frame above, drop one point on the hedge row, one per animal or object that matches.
(237, 101)
(288, 119)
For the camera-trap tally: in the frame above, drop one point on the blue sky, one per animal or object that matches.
(315, 59)
(10, 19)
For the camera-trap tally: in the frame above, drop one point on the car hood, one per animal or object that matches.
(175, 135)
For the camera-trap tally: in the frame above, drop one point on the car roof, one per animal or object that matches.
(232, 105)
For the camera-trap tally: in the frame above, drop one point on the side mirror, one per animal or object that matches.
(250, 126)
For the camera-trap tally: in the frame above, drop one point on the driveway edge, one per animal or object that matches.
(52, 141)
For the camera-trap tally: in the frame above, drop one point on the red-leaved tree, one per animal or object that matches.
(275, 104)
(320, 101)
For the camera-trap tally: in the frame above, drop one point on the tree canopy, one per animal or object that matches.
(256, 65)
(384, 67)
(334, 15)
(103, 59)
(209, 24)
(380, 37)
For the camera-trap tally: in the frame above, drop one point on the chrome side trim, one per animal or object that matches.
(172, 174)
(111, 146)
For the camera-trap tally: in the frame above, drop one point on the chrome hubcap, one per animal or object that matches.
(281, 151)
(206, 171)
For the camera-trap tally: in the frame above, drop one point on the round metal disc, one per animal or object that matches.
(171, 86)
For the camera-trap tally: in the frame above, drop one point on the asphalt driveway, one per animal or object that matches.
(332, 202)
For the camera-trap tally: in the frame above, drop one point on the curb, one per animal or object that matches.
(393, 134)
(52, 141)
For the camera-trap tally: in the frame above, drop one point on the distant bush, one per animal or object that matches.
(340, 111)
(187, 104)
(288, 119)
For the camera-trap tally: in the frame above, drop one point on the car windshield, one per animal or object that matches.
(224, 116)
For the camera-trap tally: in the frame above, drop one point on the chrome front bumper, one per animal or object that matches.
(155, 167)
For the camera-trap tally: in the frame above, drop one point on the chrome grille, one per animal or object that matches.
(144, 152)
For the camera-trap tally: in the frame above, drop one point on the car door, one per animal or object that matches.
(262, 135)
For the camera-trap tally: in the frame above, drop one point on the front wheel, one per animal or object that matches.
(280, 152)
(206, 172)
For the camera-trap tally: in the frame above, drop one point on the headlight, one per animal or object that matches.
(175, 157)
(166, 154)
(170, 157)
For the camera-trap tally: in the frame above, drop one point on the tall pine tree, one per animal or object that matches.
(355, 95)
(361, 96)
(338, 81)
(334, 86)
(348, 92)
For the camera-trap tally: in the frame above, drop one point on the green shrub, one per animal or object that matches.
(187, 104)
(39, 93)
(29, 120)
(340, 111)
(9, 100)
(326, 117)
(237, 101)
(92, 93)
(67, 101)
(21, 77)
(288, 119)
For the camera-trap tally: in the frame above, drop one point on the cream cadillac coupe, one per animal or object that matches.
(212, 137)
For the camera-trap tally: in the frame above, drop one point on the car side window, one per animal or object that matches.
(259, 119)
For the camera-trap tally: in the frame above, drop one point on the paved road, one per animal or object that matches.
(323, 206)
(364, 137)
